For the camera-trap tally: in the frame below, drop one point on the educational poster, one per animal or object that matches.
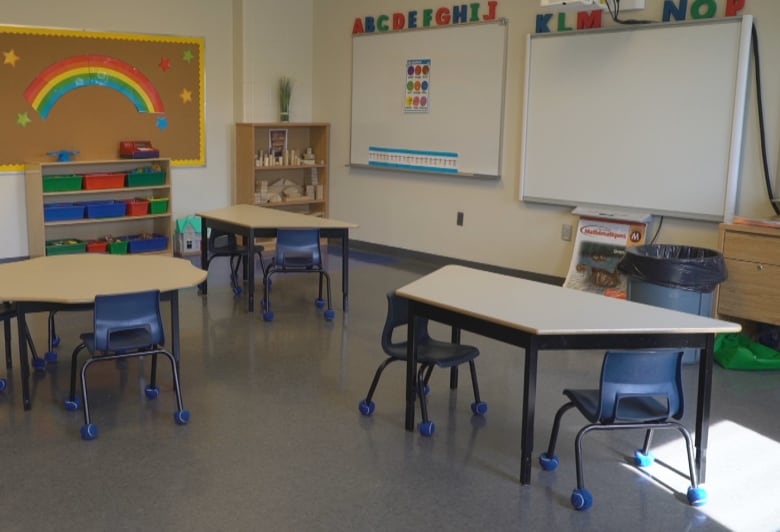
(417, 160)
(598, 248)
(418, 86)
(86, 91)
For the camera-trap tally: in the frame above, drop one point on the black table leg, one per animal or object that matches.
(529, 405)
(345, 269)
(204, 255)
(703, 407)
(411, 369)
(24, 363)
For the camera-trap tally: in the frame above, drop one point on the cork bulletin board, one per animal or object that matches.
(87, 91)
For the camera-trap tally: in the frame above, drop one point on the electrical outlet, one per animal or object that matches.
(566, 232)
(459, 219)
(627, 5)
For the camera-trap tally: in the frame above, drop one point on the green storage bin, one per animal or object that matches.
(158, 205)
(62, 183)
(145, 179)
(65, 247)
(738, 351)
(118, 247)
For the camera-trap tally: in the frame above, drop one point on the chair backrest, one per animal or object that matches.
(120, 314)
(640, 375)
(222, 241)
(398, 316)
(298, 247)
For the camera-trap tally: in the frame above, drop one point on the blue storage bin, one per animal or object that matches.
(104, 209)
(139, 244)
(57, 212)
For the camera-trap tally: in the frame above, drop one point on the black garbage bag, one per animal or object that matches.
(684, 267)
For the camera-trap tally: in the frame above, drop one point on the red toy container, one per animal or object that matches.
(101, 181)
(97, 246)
(137, 207)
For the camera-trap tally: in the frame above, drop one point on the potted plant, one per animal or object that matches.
(285, 93)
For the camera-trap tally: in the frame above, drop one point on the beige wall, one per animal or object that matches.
(418, 212)
(251, 43)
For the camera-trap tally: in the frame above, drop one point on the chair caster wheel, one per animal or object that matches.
(152, 392)
(50, 357)
(480, 408)
(73, 405)
(55, 341)
(39, 365)
(268, 315)
(427, 428)
(181, 417)
(3, 384)
(330, 314)
(548, 463)
(643, 460)
(89, 432)
(319, 303)
(581, 499)
(366, 407)
(697, 496)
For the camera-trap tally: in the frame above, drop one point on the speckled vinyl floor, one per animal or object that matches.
(276, 442)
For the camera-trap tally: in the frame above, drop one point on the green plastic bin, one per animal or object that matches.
(145, 179)
(62, 183)
(737, 351)
(65, 247)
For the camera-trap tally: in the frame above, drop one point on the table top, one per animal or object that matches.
(545, 309)
(252, 216)
(78, 278)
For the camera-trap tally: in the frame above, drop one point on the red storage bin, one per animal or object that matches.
(137, 207)
(97, 246)
(106, 180)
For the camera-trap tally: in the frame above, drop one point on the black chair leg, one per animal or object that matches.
(73, 365)
(648, 441)
(421, 383)
(8, 355)
(474, 382)
(454, 378)
(377, 375)
(556, 427)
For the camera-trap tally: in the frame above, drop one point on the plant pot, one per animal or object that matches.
(284, 116)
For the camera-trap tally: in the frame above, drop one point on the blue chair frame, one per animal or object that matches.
(125, 325)
(430, 353)
(638, 390)
(297, 251)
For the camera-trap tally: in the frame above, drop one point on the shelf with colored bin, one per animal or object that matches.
(65, 247)
(145, 179)
(62, 183)
(103, 181)
(60, 212)
(147, 242)
(103, 209)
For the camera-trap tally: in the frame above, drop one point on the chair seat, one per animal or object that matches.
(437, 353)
(630, 409)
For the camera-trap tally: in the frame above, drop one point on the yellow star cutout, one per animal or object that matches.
(23, 119)
(185, 95)
(10, 58)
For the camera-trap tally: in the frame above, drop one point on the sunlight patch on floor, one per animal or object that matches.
(742, 476)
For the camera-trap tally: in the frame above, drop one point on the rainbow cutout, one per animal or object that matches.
(92, 70)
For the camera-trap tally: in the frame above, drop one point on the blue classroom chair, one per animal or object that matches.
(638, 390)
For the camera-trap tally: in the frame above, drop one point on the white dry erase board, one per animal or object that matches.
(646, 117)
(456, 125)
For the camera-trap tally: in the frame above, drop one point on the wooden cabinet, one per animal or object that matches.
(752, 290)
(150, 185)
(253, 171)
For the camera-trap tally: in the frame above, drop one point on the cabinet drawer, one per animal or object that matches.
(753, 248)
(752, 291)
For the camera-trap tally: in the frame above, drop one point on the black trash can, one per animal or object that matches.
(676, 277)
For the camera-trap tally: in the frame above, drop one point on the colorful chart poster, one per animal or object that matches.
(418, 86)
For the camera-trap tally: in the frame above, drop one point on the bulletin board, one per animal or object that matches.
(430, 100)
(87, 91)
(646, 117)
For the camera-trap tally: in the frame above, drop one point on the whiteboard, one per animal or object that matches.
(459, 129)
(648, 118)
